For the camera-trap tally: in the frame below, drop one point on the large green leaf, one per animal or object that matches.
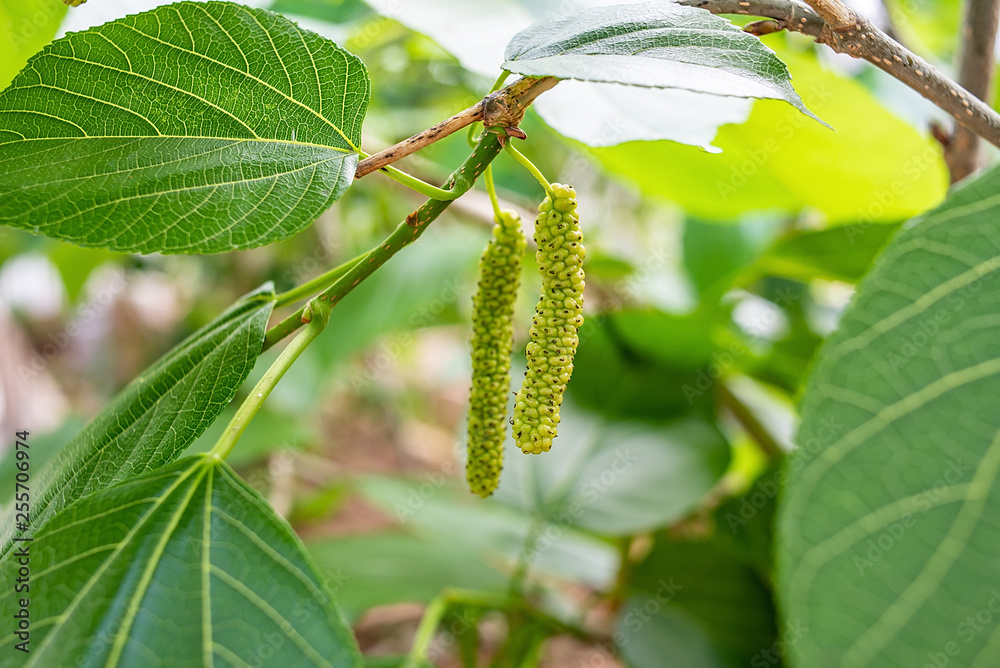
(183, 566)
(875, 168)
(888, 528)
(395, 567)
(159, 414)
(496, 533)
(616, 478)
(191, 128)
(28, 25)
(655, 44)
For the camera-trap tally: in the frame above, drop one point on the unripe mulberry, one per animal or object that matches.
(492, 339)
(558, 317)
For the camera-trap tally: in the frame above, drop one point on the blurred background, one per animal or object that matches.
(724, 237)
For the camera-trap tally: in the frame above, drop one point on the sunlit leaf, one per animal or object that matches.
(875, 167)
(28, 25)
(191, 128)
(656, 45)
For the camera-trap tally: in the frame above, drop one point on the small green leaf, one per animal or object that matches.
(183, 566)
(191, 128)
(842, 253)
(159, 414)
(888, 526)
(644, 639)
(657, 45)
(714, 581)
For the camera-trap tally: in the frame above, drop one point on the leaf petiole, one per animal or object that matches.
(527, 164)
(318, 284)
(422, 187)
(492, 191)
(317, 312)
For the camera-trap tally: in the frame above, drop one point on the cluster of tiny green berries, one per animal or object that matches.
(492, 339)
(558, 317)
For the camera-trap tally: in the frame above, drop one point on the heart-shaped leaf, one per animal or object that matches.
(191, 128)
(184, 566)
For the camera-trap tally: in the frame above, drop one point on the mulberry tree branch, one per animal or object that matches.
(496, 109)
(831, 23)
(975, 71)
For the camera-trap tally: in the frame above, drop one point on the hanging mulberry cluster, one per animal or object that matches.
(558, 317)
(492, 338)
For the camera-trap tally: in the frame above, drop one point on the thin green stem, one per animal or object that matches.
(321, 282)
(283, 329)
(422, 187)
(491, 190)
(405, 233)
(412, 182)
(433, 614)
(498, 84)
(524, 559)
(318, 314)
(527, 164)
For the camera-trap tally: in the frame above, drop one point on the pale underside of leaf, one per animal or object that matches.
(195, 127)
(658, 45)
(186, 566)
(888, 529)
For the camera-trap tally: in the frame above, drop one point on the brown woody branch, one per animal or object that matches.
(829, 22)
(975, 72)
(504, 108)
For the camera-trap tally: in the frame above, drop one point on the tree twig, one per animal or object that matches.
(829, 22)
(975, 72)
(421, 140)
(494, 110)
(506, 109)
(757, 431)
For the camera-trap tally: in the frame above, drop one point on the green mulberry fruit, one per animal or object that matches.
(492, 339)
(558, 317)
